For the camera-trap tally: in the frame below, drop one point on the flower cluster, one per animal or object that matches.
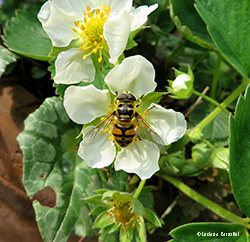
(122, 123)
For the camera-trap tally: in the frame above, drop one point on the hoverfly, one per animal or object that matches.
(124, 124)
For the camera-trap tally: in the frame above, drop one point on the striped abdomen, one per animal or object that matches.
(123, 135)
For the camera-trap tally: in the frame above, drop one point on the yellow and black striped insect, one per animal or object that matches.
(124, 123)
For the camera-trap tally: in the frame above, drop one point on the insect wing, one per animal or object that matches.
(145, 131)
(97, 132)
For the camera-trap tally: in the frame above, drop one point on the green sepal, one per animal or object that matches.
(126, 234)
(220, 158)
(101, 191)
(153, 97)
(96, 200)
(152, 217)
(137, 207)
(109, 229)
(97, 210)
(140, 231)
(102, 221)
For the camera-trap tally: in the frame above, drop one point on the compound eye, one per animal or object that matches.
(131, 97)
(122, 96)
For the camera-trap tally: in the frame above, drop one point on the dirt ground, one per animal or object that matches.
(17, 218)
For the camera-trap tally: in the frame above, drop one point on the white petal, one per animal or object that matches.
(99, 152)
(116, 32)
(140, 158)
(84, 104)
(119, 6)
(57, 24)
(135, 74)
(71, 68)
(168, 124)
(140, 15)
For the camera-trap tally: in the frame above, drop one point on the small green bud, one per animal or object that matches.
(196, 135)
(182, 86)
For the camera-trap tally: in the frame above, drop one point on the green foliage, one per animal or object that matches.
(228, 27)
(189, 23)
(209, 37)
(209, 232)
(50, 160)
(32, 41)
(6, 57)
(239, 152)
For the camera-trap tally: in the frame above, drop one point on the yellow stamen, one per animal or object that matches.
(105, 131)
(100, 59)
(90, 14)
(102, 118)
(80, 47)
(97, 11)
(88, 8)
(76, 23)
(84, 57)
(75, 30)
(110, 138)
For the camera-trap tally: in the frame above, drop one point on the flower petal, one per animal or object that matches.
(140, 15)
(71, 68)
(135, 74)
(99, 152)
(168, 124)
(140, 158)
(84, 104)
(116, 32)
(57, 24)
(118, 6)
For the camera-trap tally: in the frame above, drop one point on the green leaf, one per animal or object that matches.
(152, 217)
(209, 232)
(189, 23)
(216, 130)
(49, 145)
(24, 35)
(239, 156)
(6, 57)
(228, 25)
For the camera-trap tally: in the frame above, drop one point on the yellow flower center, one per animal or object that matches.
(91, 31)
(123, 213)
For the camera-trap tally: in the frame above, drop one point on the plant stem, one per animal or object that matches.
(205, 202)
(211, 101)
(139, 188)
(216, 76)
(224, 104)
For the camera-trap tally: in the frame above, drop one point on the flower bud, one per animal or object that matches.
(182, 86)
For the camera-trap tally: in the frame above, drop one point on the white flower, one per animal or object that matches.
(85, 104)
(92, 28)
